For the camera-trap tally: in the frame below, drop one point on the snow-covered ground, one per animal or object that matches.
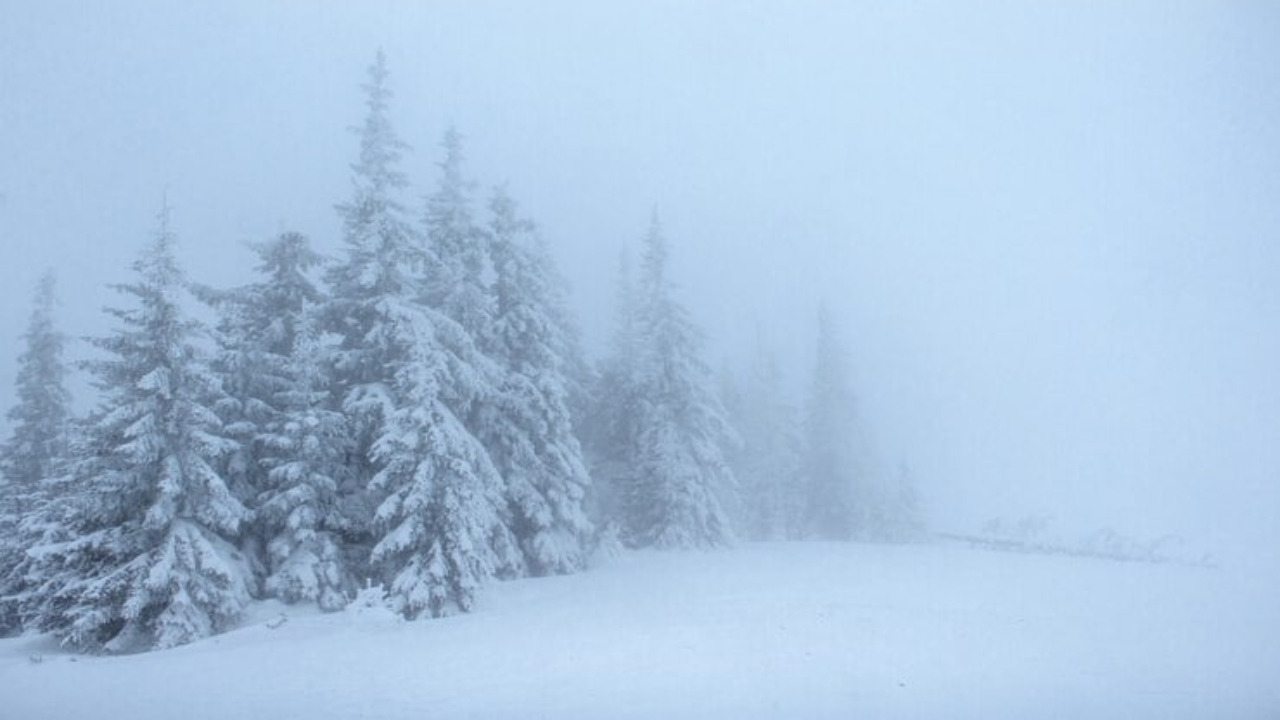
(766, 630)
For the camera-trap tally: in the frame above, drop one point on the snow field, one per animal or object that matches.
(799, 630)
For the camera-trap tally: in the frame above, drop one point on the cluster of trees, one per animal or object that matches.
(415, 414)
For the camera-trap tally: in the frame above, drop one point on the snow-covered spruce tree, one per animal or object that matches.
(456, 284)
(458, 249)
(566, 338)
(768, 462)
(303, 454)
(292, 441)
(40, 416)
(443, 500)
(526, 426)
(32, 582)
(150, 560)
(837, 506)
(612, 413)
(374, 276)
(680, 471)
(402, 368)
(256, 333)
(31, 457)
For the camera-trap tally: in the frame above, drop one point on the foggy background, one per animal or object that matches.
(1051, 231)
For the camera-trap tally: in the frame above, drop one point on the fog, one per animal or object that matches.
(1051, 231)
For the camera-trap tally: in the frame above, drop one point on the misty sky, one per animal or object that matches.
(1052, 230)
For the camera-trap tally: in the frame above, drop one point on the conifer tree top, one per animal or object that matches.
(380, 148)
(40, 415)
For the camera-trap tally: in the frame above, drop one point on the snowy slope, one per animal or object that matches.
(776, 630)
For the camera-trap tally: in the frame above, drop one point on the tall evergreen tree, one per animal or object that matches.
(680, 471)
(30, 460)
(43, 405)
(566, 337)
(459, 249)
(303, 455)
(442, 509)
(374, 276)
(404, 370)
(459, 265)
(768, 462)
(149, 560)
(527, 427)
(292, 440)
(257, 333)
(609, 432)
(836, 506)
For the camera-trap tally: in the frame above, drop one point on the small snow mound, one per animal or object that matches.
(371, 604)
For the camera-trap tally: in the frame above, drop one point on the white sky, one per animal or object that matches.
(1052, 229)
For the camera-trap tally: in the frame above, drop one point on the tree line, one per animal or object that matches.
(416, 414)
